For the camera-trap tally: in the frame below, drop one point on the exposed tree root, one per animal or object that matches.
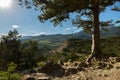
(93, 55)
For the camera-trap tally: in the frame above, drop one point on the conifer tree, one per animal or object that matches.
(58, 11)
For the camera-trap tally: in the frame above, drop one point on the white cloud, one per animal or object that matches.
(75, 28)
(22, 35)
(15, 26)
(67, 29)
(37, 34)
(1, 34)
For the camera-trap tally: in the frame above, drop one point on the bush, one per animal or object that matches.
(72, 57)
(41, 64)
(5, 76)
(12, 67)
(55, 57)
(15, 76)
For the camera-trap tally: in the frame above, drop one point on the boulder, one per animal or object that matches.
(36, 76)
(114, 59)
(53, 69)
(41, 76)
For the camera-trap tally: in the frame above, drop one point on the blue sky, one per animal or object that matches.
(27, 23)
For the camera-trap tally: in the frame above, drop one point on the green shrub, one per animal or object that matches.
(82, 58)
(55, 57)
(15, 76)
(41, 64)
(72, 57)
(12, 67)
(3, 75)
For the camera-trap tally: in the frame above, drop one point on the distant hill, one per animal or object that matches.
(57, 39)
(110, 45)
(112, 31)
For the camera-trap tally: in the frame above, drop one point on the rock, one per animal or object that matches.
(76, 63)
(106, 65)
(114, 59)
(29, 71)
(109, 66)
(105, 75)
(53, 69)
(36, 76)
(30, 78)
(76, 77)
(83, 77)
(41, 76)
(84, 64)
(117, 59)
(26, 76)
(81, 66)
(100, 75)
(79, 77)
(117, 67)
(70, 71)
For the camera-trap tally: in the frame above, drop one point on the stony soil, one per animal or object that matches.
(95, 74)
(108, 69)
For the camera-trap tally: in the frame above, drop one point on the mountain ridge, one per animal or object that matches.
(112, 31)
(56, 40)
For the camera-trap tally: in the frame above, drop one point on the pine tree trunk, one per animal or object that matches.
(96, 50)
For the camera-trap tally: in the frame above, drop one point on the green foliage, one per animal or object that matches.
(29, 54)
(45, 49)
(16, 76)
(23, 55)
(9, 48)
(3, 75)
(55, 57)
(71, 56)
(109, 45)
(41, 64)
(82, 58)
(78, 46)
(13, 76)
(12, 67)
(58, 11)
(62, 57)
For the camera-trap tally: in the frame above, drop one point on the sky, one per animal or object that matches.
(27, 23)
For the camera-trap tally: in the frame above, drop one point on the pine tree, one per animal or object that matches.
(58, 11)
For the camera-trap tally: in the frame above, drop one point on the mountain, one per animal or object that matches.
(112, 31)
(57, 39)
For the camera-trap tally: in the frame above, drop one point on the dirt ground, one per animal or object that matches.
(95, 74)
(106, 70)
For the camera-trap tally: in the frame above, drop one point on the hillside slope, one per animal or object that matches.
(56, 40)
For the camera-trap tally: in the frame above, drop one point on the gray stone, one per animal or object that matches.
(36, 76)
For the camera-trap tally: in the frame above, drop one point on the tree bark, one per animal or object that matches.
(96, 50)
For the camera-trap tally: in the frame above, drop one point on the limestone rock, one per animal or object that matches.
(36, 76)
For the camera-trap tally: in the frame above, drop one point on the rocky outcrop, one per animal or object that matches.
(106, 69)
(53, 69)
(36, 76)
